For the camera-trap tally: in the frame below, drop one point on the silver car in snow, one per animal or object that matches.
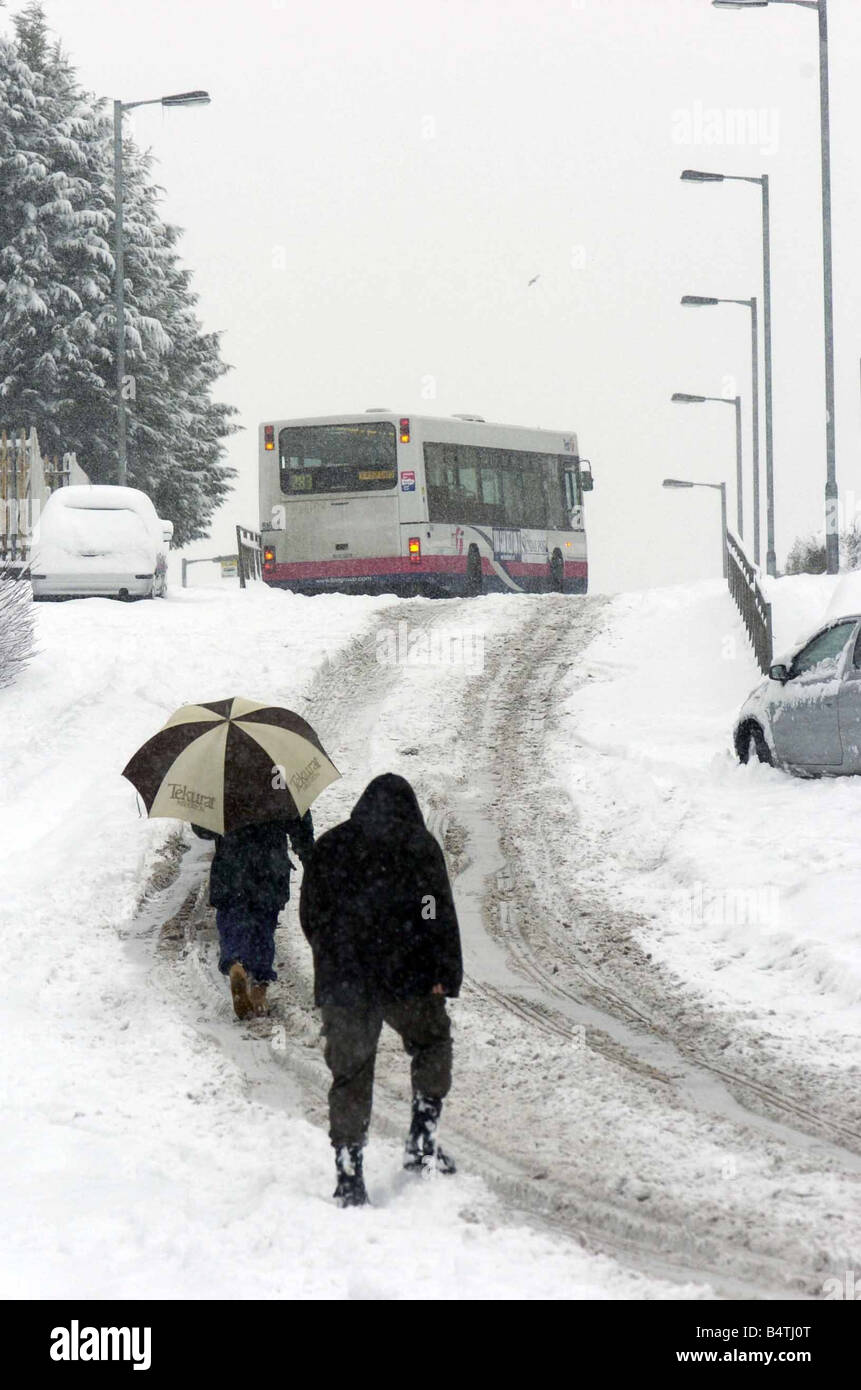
(806, 715)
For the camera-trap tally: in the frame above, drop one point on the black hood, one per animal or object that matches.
(388, 809)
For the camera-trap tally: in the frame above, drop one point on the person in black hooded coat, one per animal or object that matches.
(377, 909)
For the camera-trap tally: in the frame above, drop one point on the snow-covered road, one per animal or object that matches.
(639, 1110)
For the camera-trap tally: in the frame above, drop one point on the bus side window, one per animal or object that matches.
(449, 454)
(467, 483)
(433, 465)
(438, 492)
(445, 494)
(554, 493)
(491, 487)
(494, 487)
(513, 491)
(572, 499)
(533, 489)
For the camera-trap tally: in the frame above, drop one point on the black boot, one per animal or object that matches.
(350, 1189)
(422, 1154)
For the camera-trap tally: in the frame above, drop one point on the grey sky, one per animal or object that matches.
(374, 185)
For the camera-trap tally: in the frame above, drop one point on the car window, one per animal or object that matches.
(827, 646)
(856, 655)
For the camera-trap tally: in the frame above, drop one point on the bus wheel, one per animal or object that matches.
(557, 573)
(473, 572)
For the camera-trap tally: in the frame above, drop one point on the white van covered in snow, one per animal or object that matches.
(100, 540)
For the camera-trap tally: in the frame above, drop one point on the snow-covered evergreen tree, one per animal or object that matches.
(57, 318)
(31, 34)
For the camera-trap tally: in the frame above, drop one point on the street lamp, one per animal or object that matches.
(682, 398)
(721, 488)
(178, 99)
(699, 176)
(821, 7)
(699, 300)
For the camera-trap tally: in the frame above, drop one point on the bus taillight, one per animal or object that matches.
(405, 431)
(269, 436)
(415, 548)
(268, 560)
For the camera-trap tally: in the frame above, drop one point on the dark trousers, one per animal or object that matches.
(352, 1036)
(248, 935)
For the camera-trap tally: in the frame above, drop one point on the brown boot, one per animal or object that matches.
(242, 1005)
(257, 993)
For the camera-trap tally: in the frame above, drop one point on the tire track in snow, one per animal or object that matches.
(175, 928)
(503, 716)
(518, 734)
(375, 702)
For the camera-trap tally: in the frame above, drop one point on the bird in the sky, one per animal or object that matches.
(532, 281)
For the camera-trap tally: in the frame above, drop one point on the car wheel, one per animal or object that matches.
(750, 742)
(473, 572)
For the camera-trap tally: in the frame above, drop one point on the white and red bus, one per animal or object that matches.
(388, 503)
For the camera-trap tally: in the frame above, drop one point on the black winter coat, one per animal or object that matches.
(377, 907)
(251, 867)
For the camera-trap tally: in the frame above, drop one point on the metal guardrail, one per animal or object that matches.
(248, 558)
(249, 547)
(743, 583)
(204, 560)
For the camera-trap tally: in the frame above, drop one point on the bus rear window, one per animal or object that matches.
(337, 458)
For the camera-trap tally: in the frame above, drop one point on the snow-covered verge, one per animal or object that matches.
(748, 880)
(138, 1163)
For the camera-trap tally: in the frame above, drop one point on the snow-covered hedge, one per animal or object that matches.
(16, 626)
(807, 555)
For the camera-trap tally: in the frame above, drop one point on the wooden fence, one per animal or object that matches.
(27, 479)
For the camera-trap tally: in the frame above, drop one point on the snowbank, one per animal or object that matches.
(802, 602)
(748, 879)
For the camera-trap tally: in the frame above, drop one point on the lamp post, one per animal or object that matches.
(682, 398)
(821, 7)
(179, 99)
(698, 176)
(721, 488)
(698, 300)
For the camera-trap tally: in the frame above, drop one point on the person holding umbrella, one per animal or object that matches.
(377, 909)
(243, 774)
(249, 886)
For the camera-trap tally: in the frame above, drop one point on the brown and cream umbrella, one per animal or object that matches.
(228, 763)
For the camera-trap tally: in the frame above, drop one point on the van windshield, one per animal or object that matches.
(337, 458)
